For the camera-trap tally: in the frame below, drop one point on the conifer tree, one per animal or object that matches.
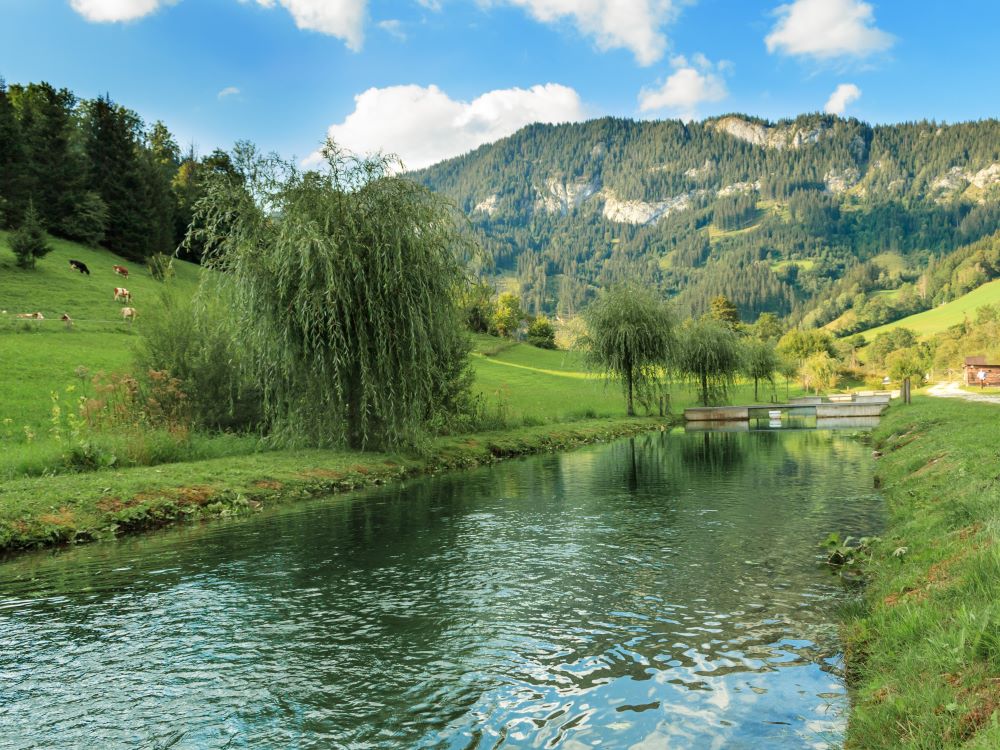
(11, 162)
(116, 174)
(28, 242)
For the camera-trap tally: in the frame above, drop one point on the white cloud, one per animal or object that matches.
(690, 85)
(635, 25)
(393, 27)
(827, 29)
(423, 125)
(344, 19)
(434, 5)
(841, 97)
(111, 11)
(228, 91)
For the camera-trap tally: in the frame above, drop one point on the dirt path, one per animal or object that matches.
(954, 390)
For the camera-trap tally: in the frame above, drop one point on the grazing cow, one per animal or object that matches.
(128, 313)
(120, 270)
(31, 316)
(79, 265)
(67, 320)
(123, 294)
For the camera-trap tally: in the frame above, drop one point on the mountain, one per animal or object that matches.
(796, 217)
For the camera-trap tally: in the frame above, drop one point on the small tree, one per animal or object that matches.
(767, 327)
(819, 372)
(542, 333)
(723, 310)
(799, 344)
(906, 363)
(507, 315)
(476, 303)
(28, 242)
(709, 353)
(759, 363)
(630, 339)
(853, 344)
(789, 369)
(888, 342)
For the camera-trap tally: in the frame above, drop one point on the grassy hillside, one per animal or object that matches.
(940, 318)
(41, 357)
(54, 288)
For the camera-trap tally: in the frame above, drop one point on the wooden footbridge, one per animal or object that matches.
(845, 405)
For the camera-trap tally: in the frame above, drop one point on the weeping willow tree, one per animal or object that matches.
(760, 362)
(630, 338)
(343, 283)
(709, 354)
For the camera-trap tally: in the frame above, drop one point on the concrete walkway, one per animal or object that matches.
(954, 390)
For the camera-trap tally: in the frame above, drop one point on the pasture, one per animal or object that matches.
(940, 318)
(42, 357)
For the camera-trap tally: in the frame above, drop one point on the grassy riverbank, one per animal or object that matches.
(924, 653)
(535, 399)
(44, 511)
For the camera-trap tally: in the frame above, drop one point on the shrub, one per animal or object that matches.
(126, 421)
(542, 333)
(193, 341)
(161, 266)
(28, 242)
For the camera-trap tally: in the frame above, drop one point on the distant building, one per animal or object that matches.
(975, 365)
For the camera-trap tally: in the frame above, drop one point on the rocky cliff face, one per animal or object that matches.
(959, 179)
(559, 196)
(642, 212)
(769, 136)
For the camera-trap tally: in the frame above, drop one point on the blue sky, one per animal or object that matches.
(432, 78)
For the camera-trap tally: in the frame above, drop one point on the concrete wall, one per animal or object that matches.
(849, 410)
(721, 413)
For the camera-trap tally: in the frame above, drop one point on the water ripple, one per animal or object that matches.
(650, 593)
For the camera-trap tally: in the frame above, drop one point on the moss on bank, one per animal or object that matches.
(923, 653)
(77, 508)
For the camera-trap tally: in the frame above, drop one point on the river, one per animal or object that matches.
(665, 591)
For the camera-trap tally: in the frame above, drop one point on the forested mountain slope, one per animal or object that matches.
(807, 217)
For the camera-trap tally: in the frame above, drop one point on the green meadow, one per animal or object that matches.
(938, 319)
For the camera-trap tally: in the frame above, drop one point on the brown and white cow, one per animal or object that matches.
(128, 313)
(123, 294)
(67, 320)
(120, 270)
(31, 316)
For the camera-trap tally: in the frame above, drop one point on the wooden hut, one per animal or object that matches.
(975, 365)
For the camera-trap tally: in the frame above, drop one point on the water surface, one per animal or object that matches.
(660, 592)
